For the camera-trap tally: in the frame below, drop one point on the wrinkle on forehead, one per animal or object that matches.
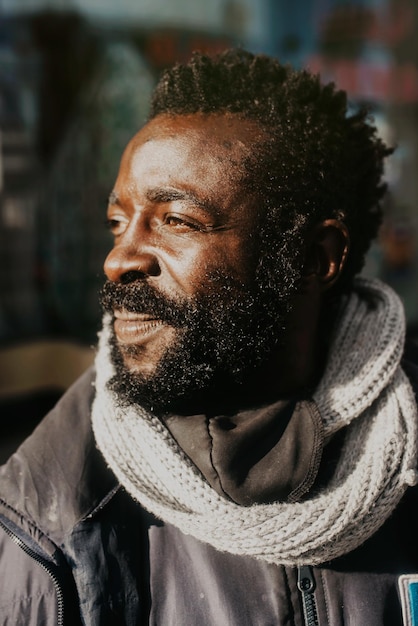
(232, 132)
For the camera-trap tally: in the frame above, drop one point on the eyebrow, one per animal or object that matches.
(164, 194)
(167, 194)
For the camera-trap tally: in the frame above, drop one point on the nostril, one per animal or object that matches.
(132, 276)
(125, 264)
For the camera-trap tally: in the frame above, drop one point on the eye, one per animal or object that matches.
(116, 226)
(183, 223)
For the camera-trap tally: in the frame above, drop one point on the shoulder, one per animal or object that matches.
(57, 475)
(53, 480)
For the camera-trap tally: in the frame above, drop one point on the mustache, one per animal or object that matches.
(141, 297)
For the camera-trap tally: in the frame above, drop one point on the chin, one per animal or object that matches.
(141, 360)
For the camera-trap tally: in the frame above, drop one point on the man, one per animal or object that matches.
(244, 451)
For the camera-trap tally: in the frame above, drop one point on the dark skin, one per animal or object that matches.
(178, 213)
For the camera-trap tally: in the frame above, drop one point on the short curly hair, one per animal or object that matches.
(318, 161)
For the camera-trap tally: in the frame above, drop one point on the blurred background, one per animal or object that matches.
(75, 78)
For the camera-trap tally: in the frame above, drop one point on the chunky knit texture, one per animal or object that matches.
(363, 389)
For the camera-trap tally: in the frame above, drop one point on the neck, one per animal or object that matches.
(296, 367)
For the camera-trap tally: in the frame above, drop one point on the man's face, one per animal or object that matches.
(182, 286)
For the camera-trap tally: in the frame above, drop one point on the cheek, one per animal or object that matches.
(238, 261)
(200, 266)
(215, 267)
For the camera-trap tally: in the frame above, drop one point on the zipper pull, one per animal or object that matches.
(306, 586)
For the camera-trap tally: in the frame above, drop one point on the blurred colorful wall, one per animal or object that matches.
(75, 77)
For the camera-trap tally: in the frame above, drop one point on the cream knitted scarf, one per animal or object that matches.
(363, 388)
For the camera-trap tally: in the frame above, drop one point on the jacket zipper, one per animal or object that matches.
(46, 566)
(306, 586)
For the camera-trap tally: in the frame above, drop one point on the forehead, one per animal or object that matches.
(226, 132)
(205, 148)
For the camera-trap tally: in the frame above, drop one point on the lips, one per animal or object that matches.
(135, 327)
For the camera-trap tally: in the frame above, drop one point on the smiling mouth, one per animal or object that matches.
(135, 327)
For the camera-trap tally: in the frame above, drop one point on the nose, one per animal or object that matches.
(126, 263)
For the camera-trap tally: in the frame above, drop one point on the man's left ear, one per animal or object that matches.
(327, 251)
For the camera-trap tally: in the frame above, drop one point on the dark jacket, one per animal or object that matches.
(75, 549)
